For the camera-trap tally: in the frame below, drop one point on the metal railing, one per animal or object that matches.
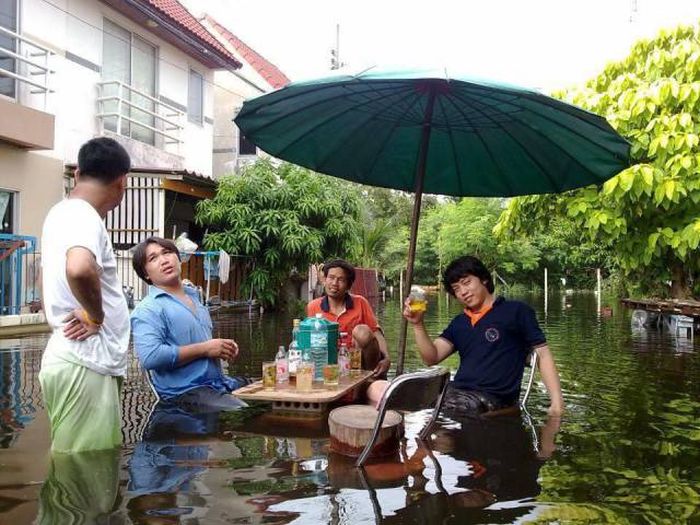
(19, 273)
(29, 63)
(120, 105)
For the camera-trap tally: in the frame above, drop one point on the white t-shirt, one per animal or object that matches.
(72, 223)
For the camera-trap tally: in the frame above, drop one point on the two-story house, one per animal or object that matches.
(141, 71)
(256, 76)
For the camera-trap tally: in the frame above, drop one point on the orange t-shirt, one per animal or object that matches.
(475, 316)
(357, 311)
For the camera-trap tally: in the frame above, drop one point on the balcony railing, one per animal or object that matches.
(129, 111)
(28, 63)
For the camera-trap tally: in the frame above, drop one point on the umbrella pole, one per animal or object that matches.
(415, 217)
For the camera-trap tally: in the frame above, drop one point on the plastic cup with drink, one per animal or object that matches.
(305, 376)
(269, 374)
(417, 300)
(331, 374)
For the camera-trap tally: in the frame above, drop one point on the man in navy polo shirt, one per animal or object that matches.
(493, 337)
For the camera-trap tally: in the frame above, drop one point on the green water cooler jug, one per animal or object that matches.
(318, 331)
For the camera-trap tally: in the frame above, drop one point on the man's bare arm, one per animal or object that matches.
(431, 351)
(550, 378)
(83, 277)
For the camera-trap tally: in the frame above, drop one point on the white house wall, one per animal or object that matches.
(76, 36)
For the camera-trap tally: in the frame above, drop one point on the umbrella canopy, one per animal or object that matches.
(424, 131)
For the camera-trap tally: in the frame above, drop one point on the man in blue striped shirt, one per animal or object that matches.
(172, 334)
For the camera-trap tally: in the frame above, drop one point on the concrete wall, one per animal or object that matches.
(38, 181)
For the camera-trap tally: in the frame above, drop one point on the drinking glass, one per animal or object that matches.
(331, 374)
(305, 376)
(269, 374)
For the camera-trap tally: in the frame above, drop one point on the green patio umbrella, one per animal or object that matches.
(428, 132)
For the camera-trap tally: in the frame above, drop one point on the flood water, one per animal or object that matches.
(626, 451)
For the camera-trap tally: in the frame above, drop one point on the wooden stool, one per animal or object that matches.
(351, 429)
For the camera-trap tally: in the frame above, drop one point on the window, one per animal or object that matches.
(245, 147)
(7, 211)
(132, 61)
(195, 98)
(8, 20)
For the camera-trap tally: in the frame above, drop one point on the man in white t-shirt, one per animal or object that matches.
(85, 359)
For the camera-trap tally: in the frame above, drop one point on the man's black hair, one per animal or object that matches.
(348, 268)
(103, 159)
(461, 268)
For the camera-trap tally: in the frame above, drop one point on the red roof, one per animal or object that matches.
(175, 11)
(266, 69)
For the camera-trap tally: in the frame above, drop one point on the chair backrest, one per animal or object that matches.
(416, 390)
(531, 377)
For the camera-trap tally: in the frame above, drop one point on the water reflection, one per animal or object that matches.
(627, 451)
(80, 488)
(168, 459)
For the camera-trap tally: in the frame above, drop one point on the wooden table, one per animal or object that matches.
(315, 401)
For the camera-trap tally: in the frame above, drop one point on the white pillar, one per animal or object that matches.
(546, 291)
(598, 287)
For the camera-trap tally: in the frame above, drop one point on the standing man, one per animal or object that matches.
(354, 315)
(173, 335)
(85, 359)
(493, 337)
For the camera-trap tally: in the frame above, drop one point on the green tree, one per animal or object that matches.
(648, 214)
(466, 227)
(284, 217)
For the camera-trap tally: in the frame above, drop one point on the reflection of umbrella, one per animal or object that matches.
(425, 132)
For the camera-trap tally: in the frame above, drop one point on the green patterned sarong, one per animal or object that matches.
(83, 407)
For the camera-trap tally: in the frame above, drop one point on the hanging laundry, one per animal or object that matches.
(224, 266)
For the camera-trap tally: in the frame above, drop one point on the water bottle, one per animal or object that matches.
(294, 355)
(344, 360)
(319, 355)
(318, 336)
(282, 365)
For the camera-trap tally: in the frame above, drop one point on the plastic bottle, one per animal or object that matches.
(282, 364)
(294, 355)
(344, 360)
(319, 347)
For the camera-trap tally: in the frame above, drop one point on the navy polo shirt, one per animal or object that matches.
(493, 352)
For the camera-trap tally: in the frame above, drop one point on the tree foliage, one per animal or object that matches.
(283, 217)
(648, 214)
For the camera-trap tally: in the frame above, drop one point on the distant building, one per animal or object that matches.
(256, 76)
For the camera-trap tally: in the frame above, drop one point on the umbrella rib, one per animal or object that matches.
(372, 117)
(454, 149)
(301, 109)
(544, 100)
(552, 181)
(544, 136)
(393, 128)
(330, 118)
(483, 143)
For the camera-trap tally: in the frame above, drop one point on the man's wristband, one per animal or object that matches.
(90, 319)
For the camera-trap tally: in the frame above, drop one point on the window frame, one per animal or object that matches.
(195, 119)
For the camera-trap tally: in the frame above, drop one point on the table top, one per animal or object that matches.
(319, 393)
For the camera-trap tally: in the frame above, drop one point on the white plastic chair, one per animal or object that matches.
(531, 379)
(410, 392)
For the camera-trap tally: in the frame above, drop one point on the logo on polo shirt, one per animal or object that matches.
(492, 335)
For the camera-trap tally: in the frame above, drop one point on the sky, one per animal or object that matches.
(545, 44)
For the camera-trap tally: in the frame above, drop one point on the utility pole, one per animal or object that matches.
(335, 53)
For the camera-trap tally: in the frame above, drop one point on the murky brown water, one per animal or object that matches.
(627, 451)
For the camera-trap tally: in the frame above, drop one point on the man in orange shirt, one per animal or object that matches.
(354, 315)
